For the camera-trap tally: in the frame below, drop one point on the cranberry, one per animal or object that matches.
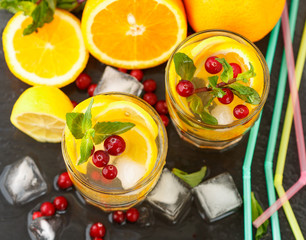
(97, 230)
(150, 98)
(236, 69)
(212, 66)
(161, 107)
(109, 172)
(91, 89)
(97, 238)
(36, 215)
(138, 74)
(241, 111)
(228, 97)
(74, 103)
(92, 150)
(165, 119)
(100, 158)
(64, 181)
(185, 88)
(60, 203)
(114, 145)
(149, 85)
(83, 81)
(47, 209)
(118, 216)
(132, 215)
(122, 70)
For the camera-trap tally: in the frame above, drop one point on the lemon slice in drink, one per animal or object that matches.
(40, 113)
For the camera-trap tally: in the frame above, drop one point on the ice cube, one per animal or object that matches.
(223, 114)
(46, 228)
(116, 81)
(129, 172)
(171, 197)
(217, 197)
(23, 182)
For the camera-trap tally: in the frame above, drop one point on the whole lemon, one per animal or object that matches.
(253, 19)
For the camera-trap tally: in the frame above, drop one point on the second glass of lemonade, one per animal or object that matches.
(139, 166)
(200, 115)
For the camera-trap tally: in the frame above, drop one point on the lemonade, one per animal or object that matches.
(217, 83)
(138, 167)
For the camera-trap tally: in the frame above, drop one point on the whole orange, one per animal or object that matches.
(253, 19)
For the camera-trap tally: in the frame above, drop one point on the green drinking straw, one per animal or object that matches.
(283, 147)
(246, 168)
(275, 123)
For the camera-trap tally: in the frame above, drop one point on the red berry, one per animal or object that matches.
(109, 172)
(74, 103)
(149, 85)
(97, 238)
(161, 107)
(212, 66)
(64, 181)
(91, 89)
(150, 98)
(97, 230)
(137, 73)
(60, 203)
(228, 97)
(114, 145)
(236, 69)
(83, 81)
(132, 215)
(100, 158)
(118, 216)
(241, 111)
(92, 150)
(122, 70)
(165, 119)
(36, 215)
(185, 88)
(47, 209)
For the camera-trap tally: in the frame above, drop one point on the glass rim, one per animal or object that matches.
(161, 158)
(236, 122)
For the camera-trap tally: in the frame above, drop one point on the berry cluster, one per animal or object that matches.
(149, 86)
(186, 88)
(113, 145)
(131, 216)
(60, 203)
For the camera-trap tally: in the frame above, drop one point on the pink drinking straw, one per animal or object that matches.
(297, 123)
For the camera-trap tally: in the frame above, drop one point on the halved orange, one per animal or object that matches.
(133, 34)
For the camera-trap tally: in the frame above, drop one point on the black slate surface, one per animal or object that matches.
(14, 145)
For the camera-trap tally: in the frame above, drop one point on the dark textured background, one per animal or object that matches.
(14, 145)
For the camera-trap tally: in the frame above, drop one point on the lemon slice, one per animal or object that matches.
(40, 113)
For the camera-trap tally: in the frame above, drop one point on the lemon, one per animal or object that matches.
(40, 112)
(54, 55)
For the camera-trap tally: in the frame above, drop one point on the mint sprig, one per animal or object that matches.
(184, 66)
(245, 93)
(227, 73)
(245, 76)
(256, 212)
(80, 126)
(192, 179)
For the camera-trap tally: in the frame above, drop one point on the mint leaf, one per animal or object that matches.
(208, 118)
(86, 146)
(15, 6)
(245, 93)
(105, 129)
(184, 66)
(227, 73)
(245, 76)
(207, 105)
(86, 124)
(74, 123)
(218, 92)
(196, 104)
(192, 179)
(256, 212)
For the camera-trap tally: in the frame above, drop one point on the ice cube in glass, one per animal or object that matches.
(171, 197)
(217, 197)
(22, 182)
(115, 81)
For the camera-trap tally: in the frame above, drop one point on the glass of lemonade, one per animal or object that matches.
(139, 166)
(201, 116)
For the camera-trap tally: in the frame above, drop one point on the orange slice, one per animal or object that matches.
(133, 34)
